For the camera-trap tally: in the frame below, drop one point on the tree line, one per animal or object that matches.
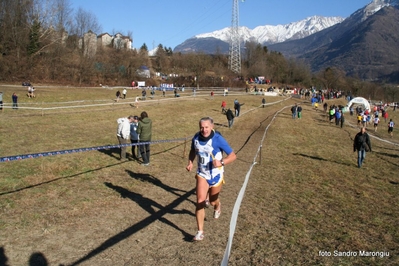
(41, 41)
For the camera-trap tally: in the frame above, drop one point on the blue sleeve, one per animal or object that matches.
(223, 145)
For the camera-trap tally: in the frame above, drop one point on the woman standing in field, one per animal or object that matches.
(208, 146)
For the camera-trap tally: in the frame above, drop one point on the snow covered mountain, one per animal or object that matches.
(273, 34)
(373, 7)
(364, 45)
(267, 34)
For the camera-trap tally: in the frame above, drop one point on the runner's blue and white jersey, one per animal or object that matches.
(206, 152)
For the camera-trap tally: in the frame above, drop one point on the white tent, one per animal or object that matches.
(358, 101)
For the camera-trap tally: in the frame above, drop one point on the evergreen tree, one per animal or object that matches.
(34, 44)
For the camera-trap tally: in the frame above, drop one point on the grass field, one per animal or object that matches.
(306, 202)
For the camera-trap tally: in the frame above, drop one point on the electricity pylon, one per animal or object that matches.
(235, 49)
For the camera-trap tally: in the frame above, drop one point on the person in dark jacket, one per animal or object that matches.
(361, 144)
(14, 101)
(230, 117)
(134, 137)
(237, 107)
(299, 111)
(144, 129)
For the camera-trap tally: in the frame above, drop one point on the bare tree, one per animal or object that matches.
(85, 21)
(63, 15)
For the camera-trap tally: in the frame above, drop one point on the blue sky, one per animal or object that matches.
(170, 23)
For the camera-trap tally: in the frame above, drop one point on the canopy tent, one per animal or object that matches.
(358, 101)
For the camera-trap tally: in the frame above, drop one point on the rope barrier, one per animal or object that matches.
(51, 153)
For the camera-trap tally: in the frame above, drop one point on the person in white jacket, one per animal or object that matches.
(123, 133)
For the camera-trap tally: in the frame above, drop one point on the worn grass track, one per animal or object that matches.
(305, 195)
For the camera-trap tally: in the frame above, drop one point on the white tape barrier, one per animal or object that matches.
(236, 209)
(375, 137)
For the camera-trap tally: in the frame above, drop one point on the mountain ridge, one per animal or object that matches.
(267, 34)
(364, 45)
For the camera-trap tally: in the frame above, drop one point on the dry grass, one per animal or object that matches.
(306, 194)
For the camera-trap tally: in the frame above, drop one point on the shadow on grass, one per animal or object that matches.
(390, 149)
(59, 178)
(36, 259)
(320, 159)
(113, 152)
(381, 156)
(151, 179)
(147, 204)
(182, 155)
(220, 125)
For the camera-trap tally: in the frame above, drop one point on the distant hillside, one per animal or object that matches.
(369, 51)
(365, 48)
(209, 45)
(365, 45)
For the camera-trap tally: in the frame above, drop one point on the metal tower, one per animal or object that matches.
(234, 49)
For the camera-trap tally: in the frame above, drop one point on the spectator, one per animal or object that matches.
(385, 115)
(230, 117)
(144, 130)
(325, 106)
(124, 93)
(14, 101)
(134, 137)
(237, 107)
(118, 95)
(223, 107)
(136, 102)
(263, 102)
(337, 117)
(294, 110)
(299, 110)
(31, 92)
(1, 101)
(361, 144)
(123, 134)
(390, 127)
(342, 119)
